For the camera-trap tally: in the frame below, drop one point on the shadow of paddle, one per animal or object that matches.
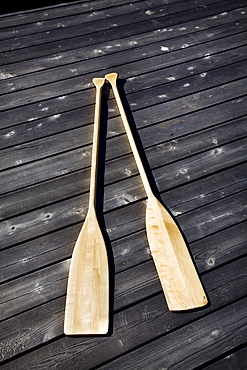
(132, 124)
(129, 115)
(100, 200)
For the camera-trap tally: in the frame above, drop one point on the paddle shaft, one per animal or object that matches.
(98, 82)
(112, 78)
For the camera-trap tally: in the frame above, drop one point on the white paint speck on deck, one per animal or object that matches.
(56, 57)
(164, 48)
(128, 172)
(171, 78)
(5, 75)
(9, 134)
(98, 51)
(132, 42)
(55, 116)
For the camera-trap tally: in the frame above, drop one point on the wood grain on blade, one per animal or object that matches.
(177, 273)
(87, 305)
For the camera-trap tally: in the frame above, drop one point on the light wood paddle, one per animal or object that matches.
(177, 273)
(87, 303)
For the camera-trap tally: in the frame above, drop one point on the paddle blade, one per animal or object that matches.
(87, 303)
(177, 273)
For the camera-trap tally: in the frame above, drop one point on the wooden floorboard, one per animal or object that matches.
(236, 358)
(182, 77)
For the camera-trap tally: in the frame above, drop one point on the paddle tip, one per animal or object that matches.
(192, 304)
(84, 327)
(85, 332)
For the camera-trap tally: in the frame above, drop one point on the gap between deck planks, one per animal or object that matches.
(43, 147)
(188, 146)
(155, 94)
(205, 222)
(126, 161)
(173, 37)
(133, 67)
(61, 10)
(41, 286)
(148, 22)
(44, 251)
(42, 112)
(89, 16)
(206, 336)
(229, 360)
(201, 197)
(151, 312)
(189, 169)
(79, 7)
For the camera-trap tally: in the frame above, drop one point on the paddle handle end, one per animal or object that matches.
(98, 82)
(112, 77)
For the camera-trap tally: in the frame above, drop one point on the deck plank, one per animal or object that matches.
(178, 107)
(203, 335)
(174, 36)
(39, 324)
(73, 210)
(154, 95)
(213, 139)
(47, 108)
(81, 6)
(77, 69)
(62, 39)
(231, 360)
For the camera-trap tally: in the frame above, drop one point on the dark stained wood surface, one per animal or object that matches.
(182, 68)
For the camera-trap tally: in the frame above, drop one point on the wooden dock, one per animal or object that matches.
(182, 76)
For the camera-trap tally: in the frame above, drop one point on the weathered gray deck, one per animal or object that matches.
(182, 68)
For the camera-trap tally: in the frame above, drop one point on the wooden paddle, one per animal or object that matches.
(177, 273)
(87, 303)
